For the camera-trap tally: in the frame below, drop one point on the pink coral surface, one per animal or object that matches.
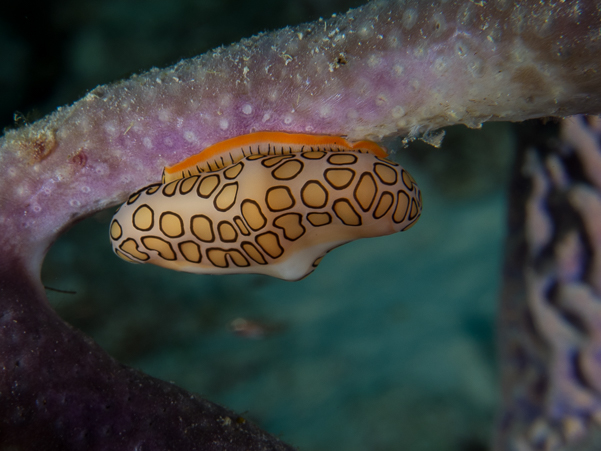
(389, 68)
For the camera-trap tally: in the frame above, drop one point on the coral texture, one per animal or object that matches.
(550, 316)
(390, 68)
(386, 69)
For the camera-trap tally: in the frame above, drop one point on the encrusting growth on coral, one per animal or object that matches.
(390, 68)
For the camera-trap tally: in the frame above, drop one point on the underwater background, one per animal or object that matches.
(388, 345)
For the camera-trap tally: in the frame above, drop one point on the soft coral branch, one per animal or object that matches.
(389, 68)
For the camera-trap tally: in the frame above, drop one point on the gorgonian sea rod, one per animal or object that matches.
(387, 69)
(390, 68)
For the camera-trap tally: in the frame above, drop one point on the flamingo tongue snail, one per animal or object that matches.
(269, 203)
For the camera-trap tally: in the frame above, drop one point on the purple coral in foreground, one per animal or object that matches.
(61, 391)
(387, 69)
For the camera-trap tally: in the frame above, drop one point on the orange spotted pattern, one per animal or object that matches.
(276, 215)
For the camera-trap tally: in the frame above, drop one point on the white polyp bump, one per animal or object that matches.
(22, 190)
(325, 111)
(223, 123)
(440, 65)
(266, 117)
(147, 142)
(164, 115)
(394, 41)
(225, 100)
(59, 174)
(461, 49)
(373, 61)
(101, 169)
(398, 112)
(111, 128)
(190, 136)
(137, 127)
(247, 109)
(85, 189)
(409, 18)
(352, 114)
(365, 31)
(84, 124)
(381, 99)
(288, 119)
(439, 23)
(420, 51)
(74, 203)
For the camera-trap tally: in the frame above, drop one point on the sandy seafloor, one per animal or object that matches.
(388, 345)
